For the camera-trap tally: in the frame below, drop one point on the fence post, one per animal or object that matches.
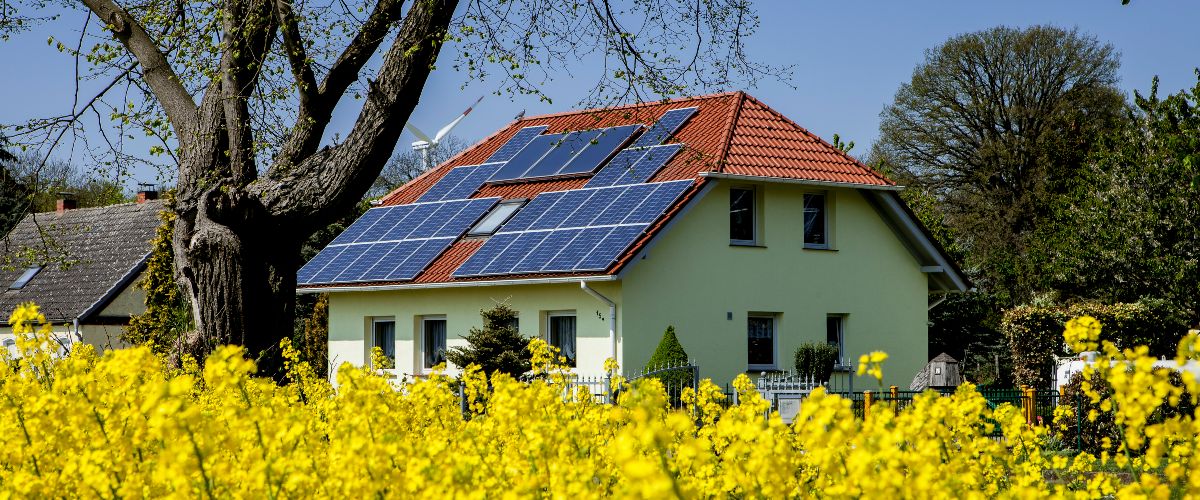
(895, 399)
(866, 404)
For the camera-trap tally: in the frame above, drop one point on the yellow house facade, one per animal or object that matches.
(760, 254)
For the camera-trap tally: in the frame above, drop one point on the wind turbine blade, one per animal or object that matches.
(417, 132)
(450, 126)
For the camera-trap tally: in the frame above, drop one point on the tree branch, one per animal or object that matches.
(176, 102)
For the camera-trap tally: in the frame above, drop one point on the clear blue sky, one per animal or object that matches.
(850, 58)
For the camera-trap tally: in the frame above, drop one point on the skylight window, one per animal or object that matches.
(492, 221)
(24, 278)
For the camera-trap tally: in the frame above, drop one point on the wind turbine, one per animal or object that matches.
(425, 143)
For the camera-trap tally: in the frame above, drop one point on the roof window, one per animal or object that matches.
(494, 219)
(24, 278)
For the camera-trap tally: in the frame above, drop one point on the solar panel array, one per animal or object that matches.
(393, 243)
(634, 166)
(518, 141)
(573, 231)
(566, 153)
(460, 182)
(666, 125)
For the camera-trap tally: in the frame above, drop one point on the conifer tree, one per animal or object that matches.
(497, 347)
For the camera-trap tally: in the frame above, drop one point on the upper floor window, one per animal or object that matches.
(816, 221)
(494, 219)
(24, 278)
(561, 334)
(433, 341)
(383, 336)
(741, 216)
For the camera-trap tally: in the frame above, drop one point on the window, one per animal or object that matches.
(833, 335)
(561, 330)
(24, 278)
(514, 323)
(815, 221)
(494, 219)
(741, 216)
(760, 334)
(383, 336)
(433, 341)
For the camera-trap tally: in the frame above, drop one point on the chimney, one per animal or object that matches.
(146, 192)
(66, 201)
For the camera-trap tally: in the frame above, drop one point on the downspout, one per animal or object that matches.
(612, 316)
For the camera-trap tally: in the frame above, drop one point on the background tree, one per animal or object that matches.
(406, 164)
(497, 347)
(166, 317)
(14, 194)
(997, 125)
(241, 94)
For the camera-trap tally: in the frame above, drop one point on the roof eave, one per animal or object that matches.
(944, 273)
(806, 182)
(455, 284)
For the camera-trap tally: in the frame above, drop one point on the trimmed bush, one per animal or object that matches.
(670, 353)
(816, 360)
(1034, 333)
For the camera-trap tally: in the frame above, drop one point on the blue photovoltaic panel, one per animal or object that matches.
(656, 157)
(600, 149)
(621, 163)
(531, 211)
(579, 230)
(362, 224)
(403, 240)
(460, 182)
(518, 141)
(664, 127)
(528, 157)
(562, 152)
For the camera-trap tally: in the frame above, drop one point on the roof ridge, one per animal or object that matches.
(647, 104)
(818, 138)
(104, 207)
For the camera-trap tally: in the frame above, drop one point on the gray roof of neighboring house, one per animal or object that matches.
(89, 254)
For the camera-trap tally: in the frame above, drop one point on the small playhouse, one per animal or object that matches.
(940, 372)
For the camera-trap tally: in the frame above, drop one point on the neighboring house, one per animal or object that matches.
(79, 265)
(714, 214)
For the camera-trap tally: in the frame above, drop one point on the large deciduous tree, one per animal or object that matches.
(997, 125)
(240, 95)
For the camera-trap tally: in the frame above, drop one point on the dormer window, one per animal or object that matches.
(24, 278)
(497, 217)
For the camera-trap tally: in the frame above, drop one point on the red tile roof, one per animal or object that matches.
(730, 133)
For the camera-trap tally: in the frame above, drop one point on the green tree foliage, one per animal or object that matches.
(14, 194)
(1034, 332)
(670, 354)
(1085, 434)
(497, 347)
(995, 126)
(167, 315)
(313, 341)
(47, 179)
(967, 327)
(1135, 217)
(815, 360)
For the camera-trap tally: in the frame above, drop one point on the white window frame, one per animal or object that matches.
(825, 220)
(841, 338)
(497, 213)
(424, 344)
(371, 336)
(550, 315)
(753, 216)
(774, 365)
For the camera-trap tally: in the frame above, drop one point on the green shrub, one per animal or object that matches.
(670, 353)
(1088, 435)
(1034, 332)
(498, 347)
(816, 360)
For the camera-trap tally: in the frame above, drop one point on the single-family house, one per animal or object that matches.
(714, 214)
(79, 265)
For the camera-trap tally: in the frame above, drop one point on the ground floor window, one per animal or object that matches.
(834, 336)
(760, 335)
(383, 336)
(433, 341)
(561, 334)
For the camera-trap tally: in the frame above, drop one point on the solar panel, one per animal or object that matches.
(518, 141)
(621, 163)
(601, 148)
(528, 157)
(666, 125)
(578, 230)
(460, 182)
(563, 152)
(397, 245)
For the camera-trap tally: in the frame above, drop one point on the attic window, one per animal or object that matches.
(25, 277)
(494, 219)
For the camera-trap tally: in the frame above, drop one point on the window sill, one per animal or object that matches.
(820, 249)
(755, 370)
(746, 245)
